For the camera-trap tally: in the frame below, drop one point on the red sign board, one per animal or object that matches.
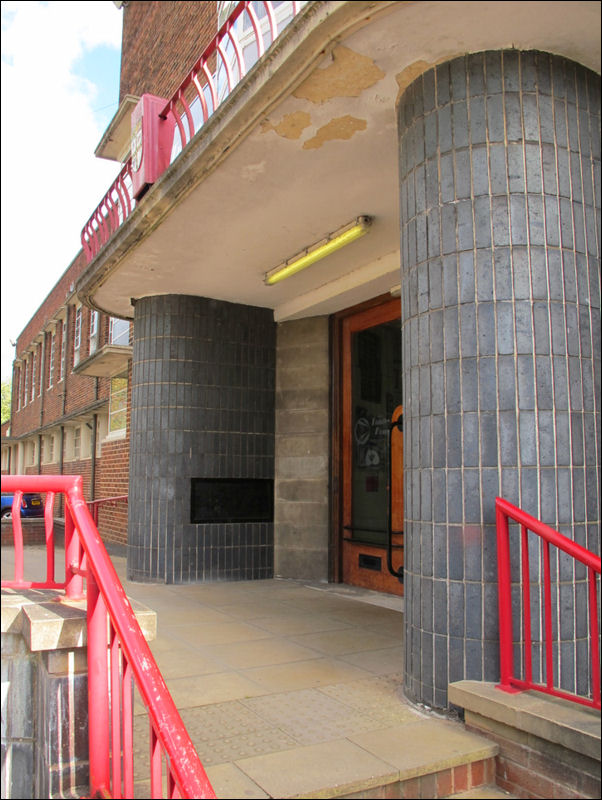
(152, 139)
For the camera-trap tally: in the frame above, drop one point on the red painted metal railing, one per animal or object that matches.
(241, 41)
(94, 505)
(118, 654)
(521, 582)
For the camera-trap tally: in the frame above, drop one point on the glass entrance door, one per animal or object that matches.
(372, 395)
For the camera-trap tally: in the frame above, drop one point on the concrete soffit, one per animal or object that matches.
(292, 58)
(298, 158)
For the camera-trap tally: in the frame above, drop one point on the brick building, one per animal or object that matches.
(455, 148)
(70, 399)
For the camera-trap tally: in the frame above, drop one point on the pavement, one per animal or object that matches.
(294, 689)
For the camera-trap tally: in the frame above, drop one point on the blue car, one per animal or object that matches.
(32, 505)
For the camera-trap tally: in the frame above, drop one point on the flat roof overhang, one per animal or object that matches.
(107, 362)
(304, 144)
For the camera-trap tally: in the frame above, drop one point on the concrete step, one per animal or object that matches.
(432, 759)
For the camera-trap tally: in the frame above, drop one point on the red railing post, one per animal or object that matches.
(49, 535)
(547, 591)
(504, 600)
(98, 691)
(526, 604)
(509, 681)
(595, 649)
(74, 588)
(18, 535)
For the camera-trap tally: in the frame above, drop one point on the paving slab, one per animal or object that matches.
(425, 746)
(230, 783)
(321, 770)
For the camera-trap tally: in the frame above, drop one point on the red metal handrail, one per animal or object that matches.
(524, 581)
(94, 505)
(222, 65)
(118, 655)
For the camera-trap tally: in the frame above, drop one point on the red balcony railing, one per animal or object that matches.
(118, 654)
(549, 591)
(243, 39)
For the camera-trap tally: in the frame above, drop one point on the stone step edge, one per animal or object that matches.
(471, 772)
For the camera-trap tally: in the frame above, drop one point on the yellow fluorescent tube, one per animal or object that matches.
(347, 235)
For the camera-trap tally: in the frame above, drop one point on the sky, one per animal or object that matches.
(60, 90)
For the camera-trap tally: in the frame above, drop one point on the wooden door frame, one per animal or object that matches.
(341, 325)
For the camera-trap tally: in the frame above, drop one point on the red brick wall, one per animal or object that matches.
(160, 43)
(71, 395)
(534, 769)
(73, 392)
(113, 481)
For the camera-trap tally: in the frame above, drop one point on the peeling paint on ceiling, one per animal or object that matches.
(348, 75)
(291, 126)
(338, 128)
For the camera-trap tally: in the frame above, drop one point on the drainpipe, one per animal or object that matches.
(39, 453)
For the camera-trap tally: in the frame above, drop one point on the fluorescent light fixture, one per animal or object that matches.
(334, 241)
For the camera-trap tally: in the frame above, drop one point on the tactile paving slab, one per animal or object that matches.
(379, 697)
(309, 716)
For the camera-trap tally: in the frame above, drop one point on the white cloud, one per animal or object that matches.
(51, 180)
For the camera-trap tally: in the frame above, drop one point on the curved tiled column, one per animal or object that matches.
(499, 203)
(202, 407)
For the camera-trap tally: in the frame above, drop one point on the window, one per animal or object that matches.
(41, 351)
(18, 387)
(51, 359)
(93, 331)
(77, 443)
(63, 359)
(77, 335)
(50, 450)
(118, 406)
(119, 332)
(34, 375)
(26, 382)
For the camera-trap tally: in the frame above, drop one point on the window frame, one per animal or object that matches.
(120, 324)
(118, 398)
(26, 382)
(77, 443)
(63, 351)
(93, 332)
(51, 357)
(77, 335)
